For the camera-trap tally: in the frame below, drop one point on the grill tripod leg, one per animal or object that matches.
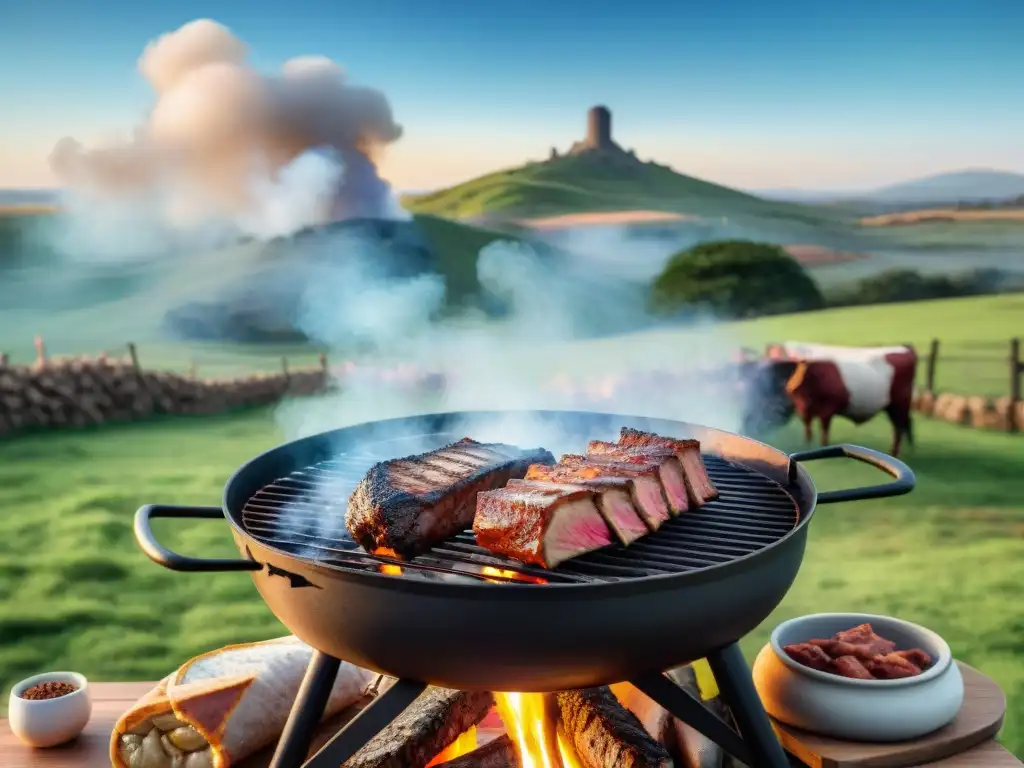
(755, 745)
(307, 711)
(737, 686)
(380, 713)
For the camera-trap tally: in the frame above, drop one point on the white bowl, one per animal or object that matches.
(858, 710)
(49, 722)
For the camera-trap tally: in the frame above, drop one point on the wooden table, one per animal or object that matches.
(110, 700)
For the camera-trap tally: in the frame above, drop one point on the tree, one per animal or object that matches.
(734, 278)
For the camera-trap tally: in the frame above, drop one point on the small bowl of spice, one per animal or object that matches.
(49, 709)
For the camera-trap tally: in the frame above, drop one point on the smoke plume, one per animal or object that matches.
(224, 144)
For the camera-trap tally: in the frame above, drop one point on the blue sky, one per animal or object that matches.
(750, 93)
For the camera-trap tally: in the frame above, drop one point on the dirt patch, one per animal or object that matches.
(933, 215)
(603, 218)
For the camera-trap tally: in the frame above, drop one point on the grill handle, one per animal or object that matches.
(903, 476)
(160, 555)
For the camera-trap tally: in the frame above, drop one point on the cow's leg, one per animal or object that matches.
(808, 421)
(826, 425)
(899, 415)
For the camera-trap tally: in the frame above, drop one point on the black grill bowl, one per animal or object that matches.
(476, 635)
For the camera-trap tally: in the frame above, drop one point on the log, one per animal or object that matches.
(605, 734)
(432, 722)
(497, 753)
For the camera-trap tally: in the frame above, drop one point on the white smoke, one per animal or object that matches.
(227, 149)
(536, 357)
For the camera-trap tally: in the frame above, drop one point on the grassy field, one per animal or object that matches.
(974, 333)
(87, 317)
(78, 594)
(574, 184)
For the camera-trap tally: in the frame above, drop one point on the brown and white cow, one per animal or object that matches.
(818, 381)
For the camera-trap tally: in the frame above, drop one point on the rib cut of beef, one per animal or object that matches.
(408, 505)
(613, 502)
(670, 470)
(545, 525)
(648, 493)
(697, 481)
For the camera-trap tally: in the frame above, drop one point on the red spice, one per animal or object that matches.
(50, 690)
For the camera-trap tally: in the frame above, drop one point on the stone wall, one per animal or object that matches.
(997, 413)
(83, 391)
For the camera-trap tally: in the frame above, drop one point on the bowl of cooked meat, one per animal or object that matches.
(859, 677)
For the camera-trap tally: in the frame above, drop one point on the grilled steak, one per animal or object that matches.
(543, 525)
(408, 505)
(605, 734)
(698, 483)
(648, 493)
(613, 502)
(670, 470)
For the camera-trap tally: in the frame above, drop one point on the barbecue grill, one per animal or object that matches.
(464, 618)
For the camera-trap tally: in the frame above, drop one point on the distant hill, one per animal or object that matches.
(957, 186)
(594, 182)
(28, 197)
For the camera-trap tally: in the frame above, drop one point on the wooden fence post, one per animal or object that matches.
(134, 355)
(323, 362)
(933, 359)
(1015, 372)
(4, 359)
(284, 366)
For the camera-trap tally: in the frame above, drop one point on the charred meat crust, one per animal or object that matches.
(634, 454)
(432, 722)
(514, 521)
(636, 438)
(564, 473)
(624, 536)
(386, 510)
(633, 468)
(605, 733)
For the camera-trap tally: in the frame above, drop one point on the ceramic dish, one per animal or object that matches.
(858, 710)
(49, 722)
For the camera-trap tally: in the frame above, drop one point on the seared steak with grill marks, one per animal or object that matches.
(649, 495)
(698, 483)
(408, 505)
(670, 470)
(613, 502)
(544, 525)
(606, 734)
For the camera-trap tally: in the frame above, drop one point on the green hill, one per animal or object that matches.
(590, 182)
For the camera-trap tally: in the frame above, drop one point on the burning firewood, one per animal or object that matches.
(688, 747)
(432, 722)
(607, 735)
(497, 753)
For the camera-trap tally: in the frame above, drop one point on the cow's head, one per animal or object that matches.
(767, 405)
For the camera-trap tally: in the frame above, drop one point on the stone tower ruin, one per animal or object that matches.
(599, 128)
(598, 141)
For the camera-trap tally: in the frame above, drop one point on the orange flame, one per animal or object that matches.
(540, 743)
(566, 751)
(391, 570)
(466, 743)
(503, 575)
